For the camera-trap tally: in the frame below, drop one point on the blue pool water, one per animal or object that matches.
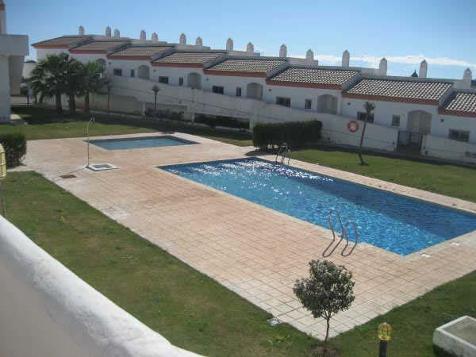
(396, 223)
(140, 142)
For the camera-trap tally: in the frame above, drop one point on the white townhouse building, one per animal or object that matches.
(436, 117)
(13, 49)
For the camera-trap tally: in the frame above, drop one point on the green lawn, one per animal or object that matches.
(188, 308)
(449, 180)
(46, 124)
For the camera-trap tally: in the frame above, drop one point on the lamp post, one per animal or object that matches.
(384, 335)
(156, 90)
(3, 175)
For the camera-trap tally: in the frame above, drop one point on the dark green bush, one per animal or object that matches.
(295, 134)
(164, 114)
(229, 122)
(15, 148)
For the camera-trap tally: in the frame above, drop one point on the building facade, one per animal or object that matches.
(13, 49)
(417, 113)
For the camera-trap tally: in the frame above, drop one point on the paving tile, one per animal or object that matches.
(252, 250)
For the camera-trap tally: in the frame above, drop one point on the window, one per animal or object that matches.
(180, 81)
(308, 104)
(238, 91)
(163, 79)
(133, 73)
(362, 115)
(460, 135)
(283, 101)
(218, 89)
(395, 120)
(117, 72)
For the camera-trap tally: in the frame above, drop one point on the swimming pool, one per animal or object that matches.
(140, 142)
(399, 224)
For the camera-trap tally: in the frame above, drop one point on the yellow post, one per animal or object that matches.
(3, 163)
(384, 333)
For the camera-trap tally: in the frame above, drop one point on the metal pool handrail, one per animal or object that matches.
(344, 235)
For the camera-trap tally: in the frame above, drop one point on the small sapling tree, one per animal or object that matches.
(328, 290)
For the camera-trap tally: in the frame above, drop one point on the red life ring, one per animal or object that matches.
(353, 126)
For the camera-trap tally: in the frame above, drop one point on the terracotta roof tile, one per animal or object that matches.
(99, 46)
(188, 58)
(400, 89)
(139, 51)
(62, 42)
(314, 76)
(462, 102)
(263, 66)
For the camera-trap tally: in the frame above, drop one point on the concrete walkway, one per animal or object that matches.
(255, 251)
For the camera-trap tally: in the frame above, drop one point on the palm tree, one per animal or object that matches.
(369, 108)
(48, 78)
(93, 81)
(74, 82)
(156, 90)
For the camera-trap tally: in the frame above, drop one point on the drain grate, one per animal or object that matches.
(68, 176)
(101, 167)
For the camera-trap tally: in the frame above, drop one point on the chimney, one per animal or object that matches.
(309, 57)
(199, 41)
(154, 37)
(229, 44)
(183, 39)
(423, 69)
(382, 68)
(143, 36)
(108, 31)
(80, 30)
(345, 59)
(250, 48)
(283, 51)
(117, 33)
(467, 78)
(3, 18)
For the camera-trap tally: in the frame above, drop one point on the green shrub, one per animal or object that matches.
(295, 134)
(229, 122)
(15, 148)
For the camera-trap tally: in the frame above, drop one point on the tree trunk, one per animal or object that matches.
(362, 162)
(59, 108)
(155, 103)
(86, 103)
(327, 330)
(72, 104)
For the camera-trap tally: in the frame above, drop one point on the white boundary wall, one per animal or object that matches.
(47, 311)
(334, 127)
(448, 149)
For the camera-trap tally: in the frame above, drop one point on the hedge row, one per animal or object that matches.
(229, 122)
(15, 148)
(164, 114)
(295, 134)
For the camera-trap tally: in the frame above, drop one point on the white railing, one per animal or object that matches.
(47, 311)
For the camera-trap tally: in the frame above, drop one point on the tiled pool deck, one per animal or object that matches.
(252, 250)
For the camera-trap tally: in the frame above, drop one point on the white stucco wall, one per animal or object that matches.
(298, 95)
(385, 110)
(42, 53)
(448, 149)
(230, 83)
(444, 123)
(47, 311)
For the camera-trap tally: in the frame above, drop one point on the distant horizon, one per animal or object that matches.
(387, 30)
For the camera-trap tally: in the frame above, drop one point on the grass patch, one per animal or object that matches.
(188, 308)
(413, 323)
(43, 123)
(185, 306)
(445, 179)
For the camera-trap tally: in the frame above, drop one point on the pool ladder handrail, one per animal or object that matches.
(284, 152)
(343, 236)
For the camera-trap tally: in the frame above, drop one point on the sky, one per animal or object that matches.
(441, 31)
